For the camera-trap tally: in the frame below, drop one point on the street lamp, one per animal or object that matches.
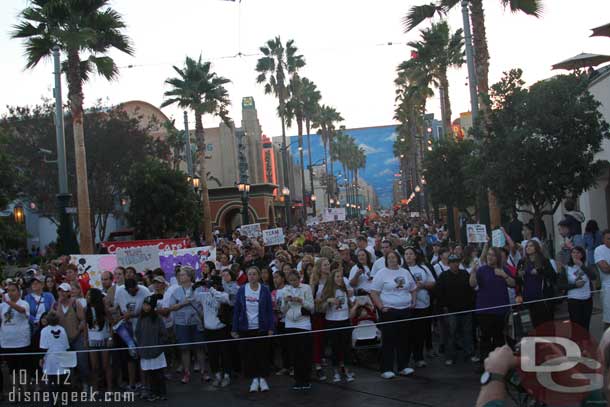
(244, 188)
(285, 191)
(196, 182)
(18, 214)
(417, 189)
(332, 201)
(313, 198)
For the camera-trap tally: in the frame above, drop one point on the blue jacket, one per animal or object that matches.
(47, 299)
(265, 311)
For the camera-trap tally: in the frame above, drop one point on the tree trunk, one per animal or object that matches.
(446, 103)
(205, 198)
(300, 132)
(330, 157)
(75, 95)
(308, 128)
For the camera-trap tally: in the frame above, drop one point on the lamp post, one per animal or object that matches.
(286, 195)
(18, 213)
(244, 189)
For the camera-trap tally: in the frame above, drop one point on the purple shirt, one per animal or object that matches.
(492, 291)
(532, 285)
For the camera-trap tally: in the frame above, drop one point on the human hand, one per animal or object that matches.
(500, 361)
(235, 335)
(269, 333)
(534, 272)
(580, 283)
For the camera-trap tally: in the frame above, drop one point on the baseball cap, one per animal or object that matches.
(64, 287)
(38, 278)
(453, 258)
(343, 246)
(160, 279)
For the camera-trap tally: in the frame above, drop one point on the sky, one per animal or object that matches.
(344, 43)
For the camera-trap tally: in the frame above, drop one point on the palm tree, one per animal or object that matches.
(275, 68)
(439, 50)
(417, 14)
(86, 30)
(325, 120)
(200, 89)
(311, 106)
(295, 109)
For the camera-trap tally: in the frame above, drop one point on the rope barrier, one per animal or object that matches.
(308, 332)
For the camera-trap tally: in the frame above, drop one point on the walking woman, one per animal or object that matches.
(424, 280)
(98, 329)
(298, 305)
(253, 317)
(576, 280)
(535, 274)
(336, 297)
(393, 293)
(492, 300)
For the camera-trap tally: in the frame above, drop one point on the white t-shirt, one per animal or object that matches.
(574, 274)
(395, 287)
(423, 275)
(54, 339)
(338, 312)
(126, 302)
(304, 322)
(602, 252)
(15, 329)
(322, 284)
(439, 268)
(252, 299)
(365, 281)
(378, 265)
(39, 307)
(371, 251)
(210, 303)
(95, 334)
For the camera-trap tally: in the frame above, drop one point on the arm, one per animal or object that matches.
(16, 307)
(500, 361)
(354, 280)
(376, 300)
(511, 243)
(473, 279)
(308, 302)
(604, 266)
(562, 282)
(483, 256)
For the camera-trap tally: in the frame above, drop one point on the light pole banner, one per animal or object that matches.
(141, 258)
(273, 237)
(252, 230)
(162, 244)
(476, 233)
(333, 214)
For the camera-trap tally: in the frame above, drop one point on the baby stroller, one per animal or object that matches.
(366, 335)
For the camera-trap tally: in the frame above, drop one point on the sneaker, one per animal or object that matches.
(186, 378)
(205, 377)
(254, 387)
(264, 385)
(475, 359)
(226, 380)
(349, 377)
(179, 369)
(297, 387)
(421, 363)
(336, 377)
(217, 380)
(282, 372)
(407, 371)
(306, 386)
(320, 374)
(448, 362)
(388, 375)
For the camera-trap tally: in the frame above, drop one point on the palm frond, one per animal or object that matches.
(417, 14)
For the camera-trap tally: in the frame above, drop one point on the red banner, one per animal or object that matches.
(163, 244)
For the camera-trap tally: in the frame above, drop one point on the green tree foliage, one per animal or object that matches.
(448, 169)
(542, 142)
(114, 143)
(162, 201)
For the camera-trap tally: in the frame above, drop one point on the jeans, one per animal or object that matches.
(419, 331)
(396, 340)
(580, 311)
(256, 354)
(339, 341)
(492, 332)
(459, 332)
(300, 347)
(82, 358)
(218, 353)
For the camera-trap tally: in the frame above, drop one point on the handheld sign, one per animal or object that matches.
(273, 237)
(497, 238)
(476, 233)
(253, 230)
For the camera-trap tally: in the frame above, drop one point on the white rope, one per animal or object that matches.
(307, 332)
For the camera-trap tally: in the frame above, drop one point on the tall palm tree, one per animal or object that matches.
(325, 120)
(311, 106)
(439, 50)
(295, 109)
(417, 14)
(275, 68)
(86, 30)
(200, 89)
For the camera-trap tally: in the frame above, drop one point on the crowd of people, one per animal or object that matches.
(290, 309)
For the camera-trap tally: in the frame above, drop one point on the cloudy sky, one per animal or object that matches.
(344, 43)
